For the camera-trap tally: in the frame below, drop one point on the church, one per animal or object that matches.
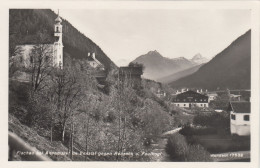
(53, 52)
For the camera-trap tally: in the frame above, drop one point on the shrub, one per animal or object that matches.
(176, 147)
(217, 120)
(189, 131)
(197, 153)
(178, 150)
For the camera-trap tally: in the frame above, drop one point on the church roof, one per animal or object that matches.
(240, 107)
(58, 19)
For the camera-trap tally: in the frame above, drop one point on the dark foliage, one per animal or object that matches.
(214, 119)
(178, 150)
(188, 131)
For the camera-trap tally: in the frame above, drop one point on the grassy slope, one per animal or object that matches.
(31, 137)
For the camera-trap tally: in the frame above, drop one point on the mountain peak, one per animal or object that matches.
(199, 59)
(154, 53)
(157, 65)
(197, 56)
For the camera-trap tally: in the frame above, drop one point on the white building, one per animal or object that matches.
(239, 118)
(53, 52)
(93, 61)
(191, 99)
(212, 96)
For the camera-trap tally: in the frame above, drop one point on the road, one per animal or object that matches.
(159, 147)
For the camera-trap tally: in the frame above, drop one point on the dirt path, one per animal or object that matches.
(159, 147)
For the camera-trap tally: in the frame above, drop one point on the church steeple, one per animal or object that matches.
(58, 46)
(58, 27)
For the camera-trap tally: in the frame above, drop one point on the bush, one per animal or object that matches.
(189, 131)
(178, 150)
(177, 147)
(217, 120)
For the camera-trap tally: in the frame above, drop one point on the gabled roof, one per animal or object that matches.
(91, 58)
(240, 107)
(191, 93)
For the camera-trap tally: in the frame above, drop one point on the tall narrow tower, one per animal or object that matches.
(58, 46)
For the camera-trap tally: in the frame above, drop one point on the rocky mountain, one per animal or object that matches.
(178, 75)
(157, 66)
(198, 59)
(231, 68)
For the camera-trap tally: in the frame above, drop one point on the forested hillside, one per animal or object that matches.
(25, 25)
(231, 68)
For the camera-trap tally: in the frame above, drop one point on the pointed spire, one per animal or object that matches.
(58, 19)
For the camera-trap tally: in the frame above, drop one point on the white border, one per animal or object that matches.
(4, 15)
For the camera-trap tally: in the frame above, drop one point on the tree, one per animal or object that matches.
(136, 64)
(39, 66)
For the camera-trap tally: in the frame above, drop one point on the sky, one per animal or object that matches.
(126, 34)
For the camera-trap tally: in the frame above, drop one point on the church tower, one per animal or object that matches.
(58, 46)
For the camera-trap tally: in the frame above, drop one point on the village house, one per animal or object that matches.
(212, 96)
(132, 74)
(53, 52)
(160, 93)
(239, 118)
(93, 62)
(191, 99)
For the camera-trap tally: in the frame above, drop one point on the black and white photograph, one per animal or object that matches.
(131, 84)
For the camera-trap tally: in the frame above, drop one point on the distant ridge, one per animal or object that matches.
(157, 66)
(228, 69)
(178, 75)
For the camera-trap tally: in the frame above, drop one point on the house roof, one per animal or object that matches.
(90, 58)
(240, 107)
(191, 93)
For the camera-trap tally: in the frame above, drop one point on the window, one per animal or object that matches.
(31, 59)
(178, 105)
(184, 99)
(21, 59)
(47, 59)
(201, 105)
(246, 117)
(200, 99)
(204, 105)
(195, 100)
(233, 116)
(205, 99)
(184, 104)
